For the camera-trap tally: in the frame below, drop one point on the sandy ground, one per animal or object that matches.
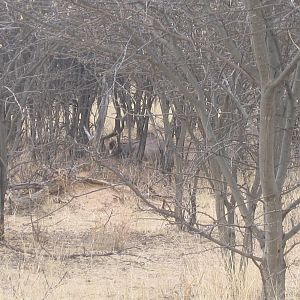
(102, 246)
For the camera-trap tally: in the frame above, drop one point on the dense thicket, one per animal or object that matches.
(225, 76)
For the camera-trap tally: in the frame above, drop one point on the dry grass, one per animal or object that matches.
(149, 259)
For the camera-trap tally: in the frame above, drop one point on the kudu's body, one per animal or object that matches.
(153, 149)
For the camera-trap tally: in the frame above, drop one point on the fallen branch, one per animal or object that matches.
(94, 181)
(69, 256)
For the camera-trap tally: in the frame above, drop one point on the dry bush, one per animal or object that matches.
(110, 237)
(213, 283)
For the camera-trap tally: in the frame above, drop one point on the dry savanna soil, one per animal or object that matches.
(103, 243)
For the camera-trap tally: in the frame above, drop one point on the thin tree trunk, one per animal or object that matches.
(102, 113)
(3, 169)
(218, 188)
(168, 160)
(179, 176)
(193, 199)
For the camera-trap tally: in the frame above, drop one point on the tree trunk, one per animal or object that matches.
(102, 113)
(273, 260)
(273, 266)
(218, 188)
(3, 169)
(168, 158)
(179, 176)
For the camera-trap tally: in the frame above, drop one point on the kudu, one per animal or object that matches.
(153, 149)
